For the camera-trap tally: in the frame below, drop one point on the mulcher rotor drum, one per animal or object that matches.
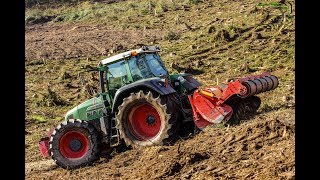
(259, 85)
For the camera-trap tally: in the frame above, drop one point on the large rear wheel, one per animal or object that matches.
(74, 143)
(144, 120)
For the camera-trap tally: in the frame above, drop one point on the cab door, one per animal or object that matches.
(117, 75)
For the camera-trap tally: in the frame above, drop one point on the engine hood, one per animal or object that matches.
(80, 111)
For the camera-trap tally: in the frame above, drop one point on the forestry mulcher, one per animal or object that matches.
(141, 104)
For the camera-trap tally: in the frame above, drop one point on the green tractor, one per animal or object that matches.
(141, 104)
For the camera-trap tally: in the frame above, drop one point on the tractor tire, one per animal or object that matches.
(74, 143)
(147, 121)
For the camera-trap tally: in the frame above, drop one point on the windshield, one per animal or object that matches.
(145, 66)
(156, 66)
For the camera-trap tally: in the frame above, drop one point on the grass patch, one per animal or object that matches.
(99, 12)
(38, 118)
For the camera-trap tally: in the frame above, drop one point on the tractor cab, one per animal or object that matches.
(132, 66)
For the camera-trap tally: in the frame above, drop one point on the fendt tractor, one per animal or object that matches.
(141, 104)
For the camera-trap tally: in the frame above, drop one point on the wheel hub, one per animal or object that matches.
(75, 145)
(144, 121)
(151, 120)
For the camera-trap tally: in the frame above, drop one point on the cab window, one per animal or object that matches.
(135, 71)
(155, 64)
(117, 76)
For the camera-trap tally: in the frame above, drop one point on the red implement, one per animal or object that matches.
(208, 103)
(44, 145)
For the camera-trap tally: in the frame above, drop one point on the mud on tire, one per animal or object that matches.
(144, 120)
(74, 143)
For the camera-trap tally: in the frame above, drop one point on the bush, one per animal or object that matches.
(50, 99)
(171, 36)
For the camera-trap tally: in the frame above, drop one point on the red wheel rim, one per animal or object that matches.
(144, 121)
(74, 144)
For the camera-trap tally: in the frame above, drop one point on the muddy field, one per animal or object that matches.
(261, 147)
(80, 41)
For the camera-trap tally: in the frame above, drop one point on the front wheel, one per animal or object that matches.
(145, 121)
(74, 143)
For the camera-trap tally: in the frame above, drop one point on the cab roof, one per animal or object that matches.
(117, 57)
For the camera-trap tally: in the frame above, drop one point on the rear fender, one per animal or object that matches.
(186, 81)
(156, 84)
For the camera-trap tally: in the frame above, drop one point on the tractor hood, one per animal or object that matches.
(80, 111)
